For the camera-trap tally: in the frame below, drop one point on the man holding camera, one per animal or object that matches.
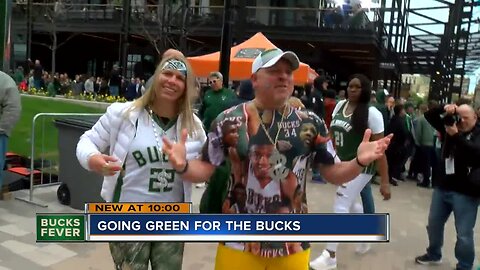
(457, 189)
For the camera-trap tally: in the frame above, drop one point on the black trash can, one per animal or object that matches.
(79, 186)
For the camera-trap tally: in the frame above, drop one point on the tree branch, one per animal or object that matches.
(150, 37)
(42, 44)
(66, 40)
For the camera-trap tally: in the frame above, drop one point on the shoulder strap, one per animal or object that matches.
(339, 106)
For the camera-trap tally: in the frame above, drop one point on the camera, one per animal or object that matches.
(450, 119)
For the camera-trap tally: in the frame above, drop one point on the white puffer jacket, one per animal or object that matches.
(114, 132)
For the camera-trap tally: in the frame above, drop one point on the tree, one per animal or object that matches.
(53, 14)
(156, 21)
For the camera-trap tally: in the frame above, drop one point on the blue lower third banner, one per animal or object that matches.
(224, 227)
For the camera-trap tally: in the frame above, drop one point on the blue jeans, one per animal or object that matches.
(367, 199)
(464, 210)
(114, 90)
(3, 151)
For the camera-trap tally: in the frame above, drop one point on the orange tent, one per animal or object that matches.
(241, 59)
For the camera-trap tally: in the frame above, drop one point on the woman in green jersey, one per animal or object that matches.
(350, 119)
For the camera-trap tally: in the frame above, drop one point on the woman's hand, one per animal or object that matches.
(104, 165)
(176, 152)
(385, 191)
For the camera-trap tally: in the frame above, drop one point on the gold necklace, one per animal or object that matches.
(280, 127)
(278, 170)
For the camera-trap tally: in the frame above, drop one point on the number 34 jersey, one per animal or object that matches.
(345, 139)
(267, 164)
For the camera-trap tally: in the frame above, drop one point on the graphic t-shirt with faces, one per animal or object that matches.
(268, 164)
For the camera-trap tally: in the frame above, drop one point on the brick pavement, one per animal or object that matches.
(408, 209)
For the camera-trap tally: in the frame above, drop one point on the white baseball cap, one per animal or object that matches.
(270, 57)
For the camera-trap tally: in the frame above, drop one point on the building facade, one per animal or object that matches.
(90, 36)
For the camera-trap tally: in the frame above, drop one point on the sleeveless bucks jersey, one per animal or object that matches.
(150, 176)
(346, 140)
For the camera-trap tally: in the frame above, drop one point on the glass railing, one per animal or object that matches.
(259, 16)
(254, 17)
(67, 12)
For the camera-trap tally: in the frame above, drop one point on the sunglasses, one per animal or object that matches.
(212, 81)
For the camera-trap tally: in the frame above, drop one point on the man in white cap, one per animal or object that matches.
(268, 133)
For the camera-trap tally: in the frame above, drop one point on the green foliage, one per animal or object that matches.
(46, 134)
(417, 99)
(69, 95)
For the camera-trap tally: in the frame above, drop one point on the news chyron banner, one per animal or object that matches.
(110, 222)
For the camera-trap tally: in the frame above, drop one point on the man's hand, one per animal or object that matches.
(368, 151)
(450, 108)
(451, 130)
(104, 164)
(385, 191)
(176, 151)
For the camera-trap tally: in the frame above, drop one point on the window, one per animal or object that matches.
(132, 59)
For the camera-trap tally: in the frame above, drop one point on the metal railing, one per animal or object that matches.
(262, 16)
(266, 16)
(42, 183)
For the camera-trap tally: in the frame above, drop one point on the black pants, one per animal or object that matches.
(414, 168)
(395, 158)
(427, 161)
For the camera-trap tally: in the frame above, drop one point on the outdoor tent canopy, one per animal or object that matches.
(241, 59)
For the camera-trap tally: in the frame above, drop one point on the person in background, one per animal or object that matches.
(115, 81)
(306, 98)
(411, 143)
(397, 149)
(383, 104)
(90, 86)
(330, 103)
(216, 99)
(350, 119)
(130, 94)
(9, 115)
(245, 93)
(425, 135)
(341, 95)
(133, 131)
(320, 86)
(458, 184)
(37, 75)
(373, 98)
(18, 76)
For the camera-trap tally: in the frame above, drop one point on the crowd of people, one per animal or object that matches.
(32, 75)
(346, 137)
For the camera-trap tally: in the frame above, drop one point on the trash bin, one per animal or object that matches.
(79, 186)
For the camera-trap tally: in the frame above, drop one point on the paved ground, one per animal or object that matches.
(408, 209)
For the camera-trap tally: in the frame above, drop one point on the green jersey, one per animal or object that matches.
(347, 140)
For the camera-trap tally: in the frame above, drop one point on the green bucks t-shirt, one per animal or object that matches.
(347, 140)
(266, 177)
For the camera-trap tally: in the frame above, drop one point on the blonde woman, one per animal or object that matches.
(135, 168)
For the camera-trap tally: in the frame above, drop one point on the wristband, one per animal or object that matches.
(184, 170)
(359, 163)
